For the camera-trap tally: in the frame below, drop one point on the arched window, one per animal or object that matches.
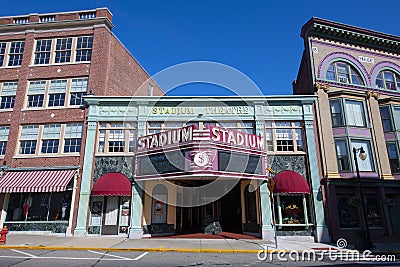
(343, 72)
(159, 207)
(387, 79)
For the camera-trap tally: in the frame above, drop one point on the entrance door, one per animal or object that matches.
(110, 219)
(231, 212)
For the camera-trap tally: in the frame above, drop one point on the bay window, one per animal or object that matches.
(386, 118)
(342, 155)
(367, 164)
(355, 115)
(393, 156)
(336, 112)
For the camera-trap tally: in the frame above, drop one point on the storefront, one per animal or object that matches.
(38, 200)
(197, 165)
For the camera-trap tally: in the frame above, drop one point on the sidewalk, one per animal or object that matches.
(54, 242)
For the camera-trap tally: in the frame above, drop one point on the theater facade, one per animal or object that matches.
(178, 165)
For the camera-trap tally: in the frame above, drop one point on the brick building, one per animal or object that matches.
(48, 62)
(355, 73)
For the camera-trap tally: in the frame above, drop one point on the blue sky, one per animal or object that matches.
(259, 38)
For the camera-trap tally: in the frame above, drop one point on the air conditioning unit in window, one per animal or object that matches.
(343, 79)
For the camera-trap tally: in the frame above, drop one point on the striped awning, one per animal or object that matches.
(36, 181)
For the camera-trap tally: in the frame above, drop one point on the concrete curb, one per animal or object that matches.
(182, 250)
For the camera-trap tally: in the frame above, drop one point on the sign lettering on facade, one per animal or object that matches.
(237, 138)
(366, 59)
(221, 110)
(160, 140)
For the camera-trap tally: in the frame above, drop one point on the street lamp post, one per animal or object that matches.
(362, 156)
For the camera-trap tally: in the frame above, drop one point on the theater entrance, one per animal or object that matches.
(224, 214)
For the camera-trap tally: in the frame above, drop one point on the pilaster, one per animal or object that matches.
(135, 230)
(81, 225)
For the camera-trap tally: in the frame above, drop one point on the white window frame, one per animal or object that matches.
(128, 131)
(43, 135)
(7, 54)
(9, 92)
(70, 91)
(293, 127)
(73, 51)
(4, 132)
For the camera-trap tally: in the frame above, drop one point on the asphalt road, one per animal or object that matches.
(64, 258)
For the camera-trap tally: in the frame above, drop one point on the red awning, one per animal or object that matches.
(290, 182)
(35, 181)
(112, 184)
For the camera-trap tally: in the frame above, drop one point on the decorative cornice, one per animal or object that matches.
(335, 30)
(322, 86)
(373, 94)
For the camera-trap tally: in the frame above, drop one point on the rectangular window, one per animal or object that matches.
(393, 156)
(84, 48)
(348, 207)
(336, 112)
(16, 53)
(57, 93)
(43, 51)
(2, 53)
(36, 94)
(367, 164)
(28, 140)
(386, 120)
(117, 138)
(73, 137)
(396, 117)
(355, 113)
(63, 50)
(8, 92)
(51, 138)
(77, 91)
(342, 155)
(4, 131)
(284, 136)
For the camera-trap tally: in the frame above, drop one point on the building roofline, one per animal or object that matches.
(324, 27)
(54, 13)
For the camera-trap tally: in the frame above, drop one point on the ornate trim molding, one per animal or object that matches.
(373, 94)
(322, 86)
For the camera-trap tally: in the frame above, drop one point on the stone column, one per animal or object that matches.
(327, 143)
(83, 209)
(267, 230)
(381, 155)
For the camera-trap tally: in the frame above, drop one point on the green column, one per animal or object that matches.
(83, 209)
(135, 230)
(321, 231)
(266, 214)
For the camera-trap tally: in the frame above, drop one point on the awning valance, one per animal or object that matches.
(290, 182)
(36, 181)
(112, 184)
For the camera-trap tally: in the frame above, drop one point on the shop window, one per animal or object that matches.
(96, 211)
(52, 206)
(63, 50)
(8, 92)
(292, 210)
(387, 79)
(386, 118)
(57, 93)
(159, 206)
(393, 156)
(284, 136)
(125, 208)
(4, 131)
(374, 212)
(336, 112)
(251, 204)
(344, 73)
(116, 138)
(348, 207)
